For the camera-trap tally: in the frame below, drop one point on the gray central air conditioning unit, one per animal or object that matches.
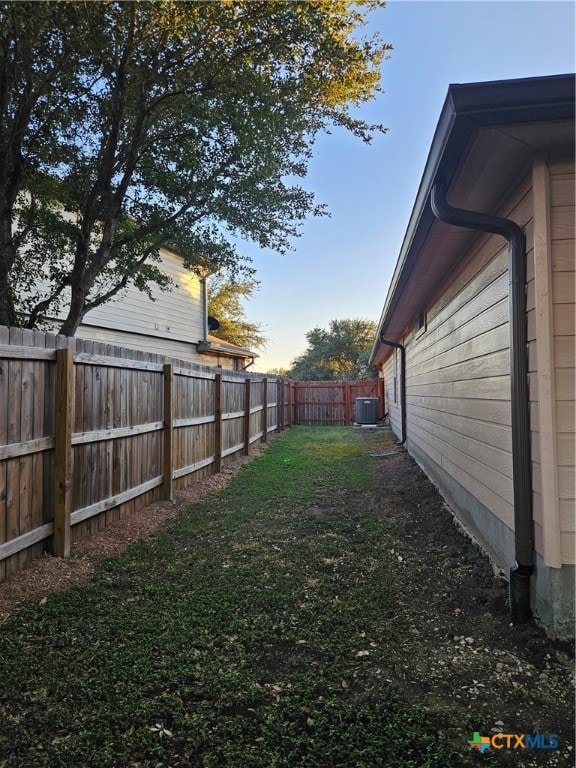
(366, 410)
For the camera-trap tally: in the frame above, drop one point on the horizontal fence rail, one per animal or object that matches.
(90, 431)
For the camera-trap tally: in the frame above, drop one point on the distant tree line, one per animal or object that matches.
(339, 353)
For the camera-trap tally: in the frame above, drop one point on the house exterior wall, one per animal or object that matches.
(171, 324)
(392, 383)
(458, 386)
(551, 344)
(551, 362)
(458, 394)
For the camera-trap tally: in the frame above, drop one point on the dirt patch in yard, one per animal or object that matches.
(461, 653)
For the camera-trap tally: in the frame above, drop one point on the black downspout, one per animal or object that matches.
(402, 384)
(523, 521)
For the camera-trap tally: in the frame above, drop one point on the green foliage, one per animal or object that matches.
(161, 123)
(340, 353)
(225, 304)
(278, 371)
(251, 633)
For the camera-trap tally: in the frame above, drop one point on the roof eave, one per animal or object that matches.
(467, 108)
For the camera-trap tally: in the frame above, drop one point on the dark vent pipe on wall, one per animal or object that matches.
(523, 520)
(402, 384)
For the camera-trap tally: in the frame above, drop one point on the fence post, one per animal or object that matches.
(265, 410)
(64, 411)
(347, 402)
(168, 484)
(280, 408)
(247, 383)
(218, 423)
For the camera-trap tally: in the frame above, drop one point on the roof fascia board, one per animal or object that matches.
(468, 107)
(445, 141)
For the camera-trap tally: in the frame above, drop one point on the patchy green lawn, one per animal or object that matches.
(270, 625)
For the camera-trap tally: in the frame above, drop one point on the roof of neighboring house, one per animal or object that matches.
(217, 346)
(486, 135)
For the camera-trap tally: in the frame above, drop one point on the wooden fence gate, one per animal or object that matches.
(331, 403)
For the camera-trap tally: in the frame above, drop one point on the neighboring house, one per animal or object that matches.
(489, 413)
(224, 352)
(175, 324)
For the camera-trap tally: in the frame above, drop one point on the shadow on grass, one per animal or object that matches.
(247, 635)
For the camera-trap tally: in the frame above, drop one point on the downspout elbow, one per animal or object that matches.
(523, 516)
(402, 384)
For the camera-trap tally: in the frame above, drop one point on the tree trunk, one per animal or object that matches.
(76, 313)
(7, 258)
(7, 311)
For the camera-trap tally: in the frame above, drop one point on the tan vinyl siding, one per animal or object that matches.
(541, 376)
(551, 360)
(458, 373)
(392, 384)
(458, 383)
(562, 197)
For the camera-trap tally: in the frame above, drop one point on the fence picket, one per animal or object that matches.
(90, 432)
(4, 364)
(218, 423)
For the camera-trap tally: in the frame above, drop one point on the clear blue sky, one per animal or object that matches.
(341, 267)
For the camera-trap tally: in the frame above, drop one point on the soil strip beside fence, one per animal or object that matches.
(90, 431)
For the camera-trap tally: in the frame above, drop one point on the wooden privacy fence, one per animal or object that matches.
(332, 402)
(89, 431)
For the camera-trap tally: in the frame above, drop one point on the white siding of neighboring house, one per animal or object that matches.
(170, 325)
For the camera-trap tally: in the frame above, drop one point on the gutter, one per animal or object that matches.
(523, 566)
(468, 108)
(402, 383)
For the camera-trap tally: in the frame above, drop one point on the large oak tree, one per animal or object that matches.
(126, 126)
